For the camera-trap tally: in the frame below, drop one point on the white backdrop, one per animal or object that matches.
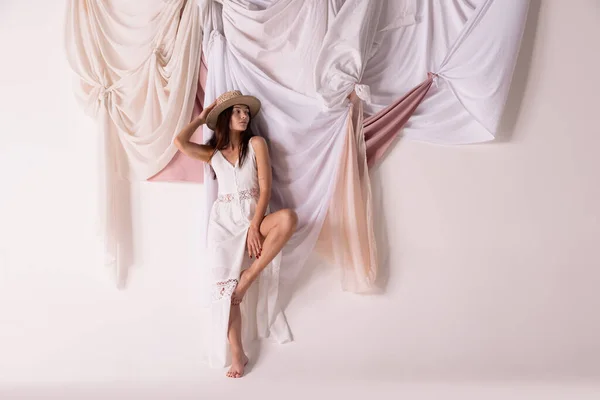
(492, 250)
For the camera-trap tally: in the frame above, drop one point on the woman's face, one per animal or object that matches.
(239, 118)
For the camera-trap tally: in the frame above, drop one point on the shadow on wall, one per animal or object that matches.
(512, 108)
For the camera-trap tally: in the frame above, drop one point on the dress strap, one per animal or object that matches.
(252, 147)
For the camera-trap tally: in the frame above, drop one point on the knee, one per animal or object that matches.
(289, 220)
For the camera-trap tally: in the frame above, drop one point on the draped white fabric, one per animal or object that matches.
(389, 46)
(137, 69)
(282, 40)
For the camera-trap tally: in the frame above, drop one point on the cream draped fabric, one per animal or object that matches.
(137, 69)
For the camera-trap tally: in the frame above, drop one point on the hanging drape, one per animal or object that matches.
(347, 238)
(182, 168)
(438, 71)
(137, 70)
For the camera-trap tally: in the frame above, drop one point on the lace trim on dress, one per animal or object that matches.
(224, 289)
(243, 195)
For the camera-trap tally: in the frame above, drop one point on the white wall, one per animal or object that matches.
(492, 251)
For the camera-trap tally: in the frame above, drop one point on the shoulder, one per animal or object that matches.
(258, 143)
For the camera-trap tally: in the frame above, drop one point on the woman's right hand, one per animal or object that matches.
(205, 112)
(254, 241)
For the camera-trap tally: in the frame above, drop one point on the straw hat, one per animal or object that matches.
(229, 99)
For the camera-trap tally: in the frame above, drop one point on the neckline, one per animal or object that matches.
(229, 162)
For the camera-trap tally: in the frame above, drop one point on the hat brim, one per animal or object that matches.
(252, 102)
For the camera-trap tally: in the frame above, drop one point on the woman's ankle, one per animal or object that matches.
(237, 350)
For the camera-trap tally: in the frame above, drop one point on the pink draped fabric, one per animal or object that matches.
(381, 129)
(182, 168)
(347, 238)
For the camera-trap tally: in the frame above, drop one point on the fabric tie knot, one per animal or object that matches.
(434, 78)
(103, 92)
(363, 92)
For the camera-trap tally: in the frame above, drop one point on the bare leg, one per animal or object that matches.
(277, 228)
(234, 334)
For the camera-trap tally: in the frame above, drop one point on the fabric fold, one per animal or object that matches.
(182, 168)
(345, 51)
(380, 130)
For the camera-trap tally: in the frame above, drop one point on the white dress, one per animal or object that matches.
(228, 225)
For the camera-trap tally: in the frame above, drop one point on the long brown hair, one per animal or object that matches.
(220, 138)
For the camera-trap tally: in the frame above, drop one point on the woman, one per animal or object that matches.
(239, 219)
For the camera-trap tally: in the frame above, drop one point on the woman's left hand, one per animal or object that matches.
(205, 112)
(254, 241)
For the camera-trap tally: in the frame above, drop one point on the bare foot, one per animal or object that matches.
(237, 366)
(241, 288)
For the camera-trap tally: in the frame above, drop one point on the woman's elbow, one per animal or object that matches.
(178, 143)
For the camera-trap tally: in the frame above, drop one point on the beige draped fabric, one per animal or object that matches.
(137, 70)
(347, 238)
